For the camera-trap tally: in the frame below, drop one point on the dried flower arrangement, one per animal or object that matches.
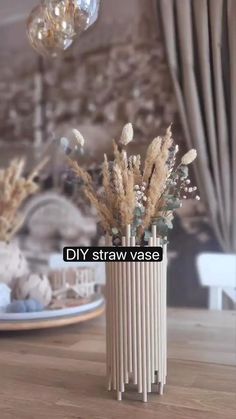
(136, 194)
(14, 189)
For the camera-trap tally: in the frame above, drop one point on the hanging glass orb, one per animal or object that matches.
(72, 16)
(43, 36)
(61, 14)
(86, 13)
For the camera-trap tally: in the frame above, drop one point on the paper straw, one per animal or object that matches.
(139, 339)
(124, 305)
(143, 332)
(136, 321)
(129, 303)
(134, 316)
(152, 318)
(108, 319)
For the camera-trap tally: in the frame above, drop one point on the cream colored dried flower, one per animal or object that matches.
(126, 182)
(79, 137)
(189, 157)
(127, 134)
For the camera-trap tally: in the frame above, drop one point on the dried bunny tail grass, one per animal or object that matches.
(151, 156)
(79, 137)
(107, 219)
(80, 172)
(127, 134)
(189, 157)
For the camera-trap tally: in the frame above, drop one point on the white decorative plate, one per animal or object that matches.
(52, 318)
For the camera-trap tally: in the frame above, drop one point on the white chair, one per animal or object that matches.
(218, 272)
(56, 262)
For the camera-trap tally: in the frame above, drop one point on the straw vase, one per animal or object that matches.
(136, 323)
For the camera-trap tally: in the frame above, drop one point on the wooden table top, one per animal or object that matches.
(60, 373)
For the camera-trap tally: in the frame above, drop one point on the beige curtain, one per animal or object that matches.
(200, 39)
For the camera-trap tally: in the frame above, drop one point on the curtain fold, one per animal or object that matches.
(200, 40)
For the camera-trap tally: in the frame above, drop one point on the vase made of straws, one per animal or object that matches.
(136, 323)
(145, 195)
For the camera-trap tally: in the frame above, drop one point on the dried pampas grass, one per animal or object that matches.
(14, 189)
(157, 171)
(139, 195)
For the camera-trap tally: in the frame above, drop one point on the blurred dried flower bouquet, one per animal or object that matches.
(14, 271)
(14, 190)
(139, 193)
(21, 290)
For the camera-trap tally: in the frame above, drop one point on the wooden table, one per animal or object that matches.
(61, 373)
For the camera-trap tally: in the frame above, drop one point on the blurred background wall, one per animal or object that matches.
(116, 72)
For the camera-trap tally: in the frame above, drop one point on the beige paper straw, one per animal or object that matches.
(159, 297)
(155, 304)
(159, 322)
(113, 327)
(165, 312)
(152, 318)
(117, 330)
(136, 321)
(121, 329)
(124, 304)
(108, 319)
(134, 316)
(129, 305)
(148, 331)
(139, 330)
(143, 332)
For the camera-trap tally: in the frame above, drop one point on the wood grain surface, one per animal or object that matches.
(61, 373)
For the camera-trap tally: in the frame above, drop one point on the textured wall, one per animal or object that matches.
(116, 72)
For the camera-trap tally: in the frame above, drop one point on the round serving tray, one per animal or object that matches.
(52, 318)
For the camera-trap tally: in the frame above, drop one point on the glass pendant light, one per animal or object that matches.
(53, 25)
(43, 35)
